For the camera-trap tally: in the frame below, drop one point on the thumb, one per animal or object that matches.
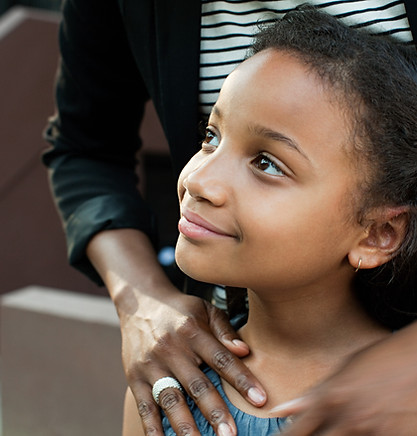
(293, 407)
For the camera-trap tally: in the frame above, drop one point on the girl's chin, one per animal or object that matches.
(190, 270)
(187, 267)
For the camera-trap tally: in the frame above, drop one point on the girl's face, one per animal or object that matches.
(267, 203)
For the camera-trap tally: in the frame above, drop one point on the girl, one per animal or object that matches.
(304, 193)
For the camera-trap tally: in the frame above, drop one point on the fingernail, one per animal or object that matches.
(224, 430)
(238, 342)
(289, 420)
(256, 395)
(288, 405)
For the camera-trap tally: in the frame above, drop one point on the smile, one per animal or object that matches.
(193, 226)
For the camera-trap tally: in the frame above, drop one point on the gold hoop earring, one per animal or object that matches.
(359, 265)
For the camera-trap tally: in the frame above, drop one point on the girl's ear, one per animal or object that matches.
(382, 237)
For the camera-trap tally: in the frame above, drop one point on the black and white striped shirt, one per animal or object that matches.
(227, 27)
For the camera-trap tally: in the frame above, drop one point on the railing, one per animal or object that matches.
(52, 5)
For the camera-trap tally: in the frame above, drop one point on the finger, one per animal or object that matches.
(148, 411)
(132, 424)
(225, 333)
(306, 424)
(231, 368)
(173, 403)
(292, 407)
(208, 400)
(236, 346)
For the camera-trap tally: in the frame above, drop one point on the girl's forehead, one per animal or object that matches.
(267, 70)
(277, 80)
(269, 59)
(276, 90)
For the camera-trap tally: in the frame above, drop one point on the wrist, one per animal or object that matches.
(128, 265)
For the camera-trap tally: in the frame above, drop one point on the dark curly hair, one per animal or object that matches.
(374, 78)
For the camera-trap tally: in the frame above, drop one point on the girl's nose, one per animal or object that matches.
(207, 182)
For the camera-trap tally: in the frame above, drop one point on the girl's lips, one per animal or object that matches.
(195, 227)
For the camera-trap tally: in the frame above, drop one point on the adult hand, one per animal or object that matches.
(172, 339)
(167, 333)
(375, 393)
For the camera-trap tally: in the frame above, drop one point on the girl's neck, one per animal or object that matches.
(314, 322)
(297, 341)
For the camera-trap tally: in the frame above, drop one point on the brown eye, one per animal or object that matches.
(266, 165)
(211, 138)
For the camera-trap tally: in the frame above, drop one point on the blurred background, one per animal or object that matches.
(60, 370)
(31, 235)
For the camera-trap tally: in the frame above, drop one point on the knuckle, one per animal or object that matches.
(136, 380)
(366, 422)
(146, 360)
(222, 359)
(132, 373)
(162, 345)
(189, 328)
(146, 409)
(220, 323)
(334, 398)
(242, 383)
(198, 387)
(361, 428)
(184, 429)
(151, 431)
(216, 416)
(197, 360)
(169, 398)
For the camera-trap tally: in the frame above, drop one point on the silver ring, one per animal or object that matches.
(162, 384)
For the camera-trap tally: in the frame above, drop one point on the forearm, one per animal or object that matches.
(374, 393)
(127, 263)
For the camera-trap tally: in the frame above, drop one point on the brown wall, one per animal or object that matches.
(31, 239)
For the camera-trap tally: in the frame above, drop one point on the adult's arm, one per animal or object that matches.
(375, 393)
(100, 98)
(94, 137)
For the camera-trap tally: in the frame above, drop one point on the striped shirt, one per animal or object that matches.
(227, 27)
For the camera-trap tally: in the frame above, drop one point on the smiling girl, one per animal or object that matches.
(304, 193)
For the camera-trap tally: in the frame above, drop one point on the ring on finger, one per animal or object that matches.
(165, 383)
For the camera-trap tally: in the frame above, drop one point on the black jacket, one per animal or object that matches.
(116, 54)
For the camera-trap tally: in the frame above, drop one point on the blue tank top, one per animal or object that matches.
(247, 425)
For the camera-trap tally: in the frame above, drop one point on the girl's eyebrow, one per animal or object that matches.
(267, 133)
(216, 111)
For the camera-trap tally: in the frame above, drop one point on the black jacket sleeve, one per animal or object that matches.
(100, 98)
